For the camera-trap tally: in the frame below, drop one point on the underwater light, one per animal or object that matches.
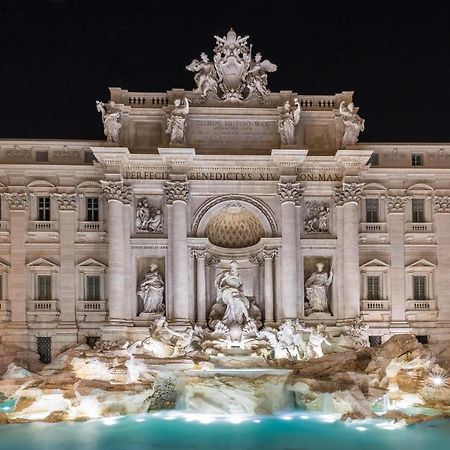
(438, 379)
(361, 428)
(109, 421)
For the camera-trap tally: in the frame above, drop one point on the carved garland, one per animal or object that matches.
(396, 204)
(16, 200)
(349, 192)
(67, 202)
(117, 190)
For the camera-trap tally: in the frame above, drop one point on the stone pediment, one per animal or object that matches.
(374, 263)
(421, 264)
(91, 263)
(41, 262)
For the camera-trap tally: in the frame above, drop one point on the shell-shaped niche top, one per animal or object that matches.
(234, 227)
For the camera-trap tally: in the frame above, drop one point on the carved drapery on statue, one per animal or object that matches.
(287, 122)
(149, 217)
(151, 292)
(316, 287)
(353, 124)
(232, 307)
(316, 219)
(176, 123)
(111, 121)
(234, 75)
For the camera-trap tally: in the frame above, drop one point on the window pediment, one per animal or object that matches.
(422, 265)
(374, 265)
(42, 264)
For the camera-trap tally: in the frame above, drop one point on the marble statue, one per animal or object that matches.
(358, 331)
(233, 307)
(257, 75)
(151, 291)
(316, 337)
(148, 217)
(316, 289)
(287, 122)
(235, 75)
(176, 123)
(111, 122)
(316, 220)
(353, 124)
(206, 76)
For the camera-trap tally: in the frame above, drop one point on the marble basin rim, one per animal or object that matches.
(240, 373)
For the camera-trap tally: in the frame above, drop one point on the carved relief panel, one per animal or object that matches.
(149, 216)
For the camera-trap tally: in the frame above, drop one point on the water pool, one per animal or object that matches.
(167, 431)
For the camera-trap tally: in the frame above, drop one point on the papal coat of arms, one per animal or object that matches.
(234, 75)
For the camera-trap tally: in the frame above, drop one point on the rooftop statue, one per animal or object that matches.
(353, 124)
(234, 75)
(288, 121)
(176, 123)
(111, 122)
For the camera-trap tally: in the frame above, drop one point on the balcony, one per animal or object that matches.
(419, 227)
(92, 311)
(5, 310)
(372, 227)
(43, 225)
(421, 309)
(43, 310)
(91, 226)
(374, 305)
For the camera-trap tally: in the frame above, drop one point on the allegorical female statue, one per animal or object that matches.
(111, 122)
(151, 291)
(206, 76)
(353, 124)
(176, 123)
(316, 289)
(233, 308)
(288, 121)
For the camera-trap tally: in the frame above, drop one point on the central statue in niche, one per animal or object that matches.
(316, 287)
(232, 307)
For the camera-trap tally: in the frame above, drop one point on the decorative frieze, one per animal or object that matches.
(441, 204)
(396, 204)
(117, 190)
(16, 200)
(349, 192)
(66, 202)
(176, 190)
(290, 192)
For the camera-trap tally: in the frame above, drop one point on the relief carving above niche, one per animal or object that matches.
(149, 216)
(317, 217)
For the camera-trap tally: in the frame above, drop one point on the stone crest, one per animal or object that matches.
(234, 75)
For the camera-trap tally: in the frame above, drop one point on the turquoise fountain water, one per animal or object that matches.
(177, 431)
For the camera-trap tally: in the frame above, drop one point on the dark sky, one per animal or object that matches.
(59, 56)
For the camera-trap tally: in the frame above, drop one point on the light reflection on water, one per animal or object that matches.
(177, 430)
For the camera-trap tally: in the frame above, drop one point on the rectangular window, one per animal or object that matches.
(92, 209)
(373, 288)
(44, 349)
(419, 287)
(41, 156)
(418, 210)
(43, 208)
(416, 160)
(92, 287)
(371, 210)
(44, 287)
(375, 341)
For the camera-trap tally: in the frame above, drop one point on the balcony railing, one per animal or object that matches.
(43, 225)
(91, 226)
(372, 227)
(374, 305)
(92, 305)
(44, 306)
(421, 305)
(419, 227)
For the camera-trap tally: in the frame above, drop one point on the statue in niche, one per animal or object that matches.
(176, 123)
(206, 76)
(111, 122)
(288, 121)
(151, 291)
(148, 217)
(353, 124)
(316, 220)
(256, 77)
(233, 308)
(317, 290)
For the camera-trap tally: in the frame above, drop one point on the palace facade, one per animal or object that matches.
(189, 181)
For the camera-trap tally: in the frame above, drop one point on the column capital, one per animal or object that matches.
(16, 200)
(212, 260)
(66, 202)
(270, 253)
(257, 259)
(117, 190)
(290, 192)
(348, 192)
(441, 204)
(198, 253)
(396, 203)
(176, 190)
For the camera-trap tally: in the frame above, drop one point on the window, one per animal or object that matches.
(92, 209)
(419, 292)
(423, 339)
(92, 340)
(44, 349)
(92, 287)
(418, 210)
(416, 160)
(44, 287)
(375, 341)
(41, 156)
(373, 160)
(43, 208)
(373, 288)
(371, 210)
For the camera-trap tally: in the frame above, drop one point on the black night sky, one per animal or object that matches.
(59, 56)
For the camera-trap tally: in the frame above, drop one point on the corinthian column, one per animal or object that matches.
(200, 255)
(177, 195)
(290, 194)
(268, 255)
(115, 192)
(349, 196)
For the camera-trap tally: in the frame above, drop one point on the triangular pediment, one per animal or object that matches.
(41, 262)
(90, 263)
(374, 263)
(421, 263)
